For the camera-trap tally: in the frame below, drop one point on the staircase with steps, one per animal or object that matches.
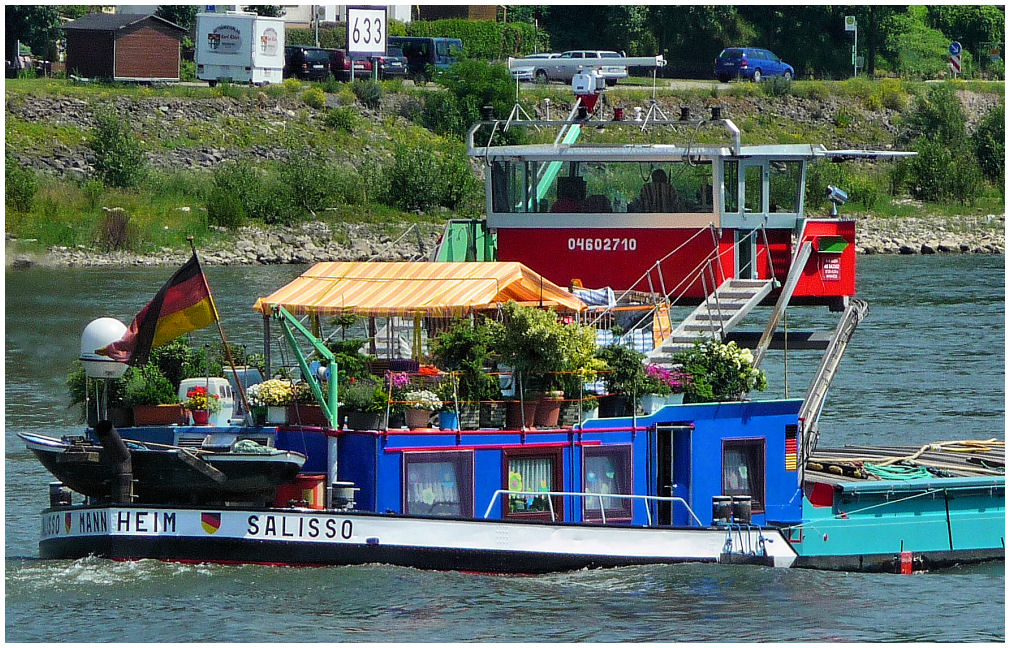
(714, 317)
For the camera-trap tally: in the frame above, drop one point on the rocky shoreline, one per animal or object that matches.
(312, 242)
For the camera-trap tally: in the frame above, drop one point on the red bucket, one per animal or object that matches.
(307, 490)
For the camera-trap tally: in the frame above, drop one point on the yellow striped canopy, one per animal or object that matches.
(410, 288)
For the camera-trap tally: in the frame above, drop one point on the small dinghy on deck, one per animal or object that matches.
(242, 472)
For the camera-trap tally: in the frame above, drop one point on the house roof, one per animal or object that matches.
(434, 289)
(114, 22)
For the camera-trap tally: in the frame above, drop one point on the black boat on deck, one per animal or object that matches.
(242, 471)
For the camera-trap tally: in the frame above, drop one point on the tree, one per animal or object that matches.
(182, 15)
(270, 11)
(32, 25)
(119, 161)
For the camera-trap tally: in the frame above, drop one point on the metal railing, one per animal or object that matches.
(598, 496)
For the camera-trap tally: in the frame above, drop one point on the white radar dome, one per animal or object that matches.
(99, 333)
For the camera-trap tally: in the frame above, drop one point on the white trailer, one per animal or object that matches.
(239, 47)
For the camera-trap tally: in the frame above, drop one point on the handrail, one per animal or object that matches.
(599, 496)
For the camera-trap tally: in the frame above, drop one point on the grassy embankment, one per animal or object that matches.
(171, 204)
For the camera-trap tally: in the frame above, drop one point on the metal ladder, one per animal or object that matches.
(813, 403)
(721, 311)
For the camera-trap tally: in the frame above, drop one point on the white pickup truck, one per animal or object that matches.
(612, 66)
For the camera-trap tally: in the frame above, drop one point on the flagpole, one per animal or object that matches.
(220, 329)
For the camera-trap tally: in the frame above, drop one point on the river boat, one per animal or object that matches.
(727, 482)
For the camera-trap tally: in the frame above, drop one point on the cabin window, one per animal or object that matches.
(784, 187)
(753, 189)
(438, 483)
(743, 470)
(601, 187)
(731, 182)
(607, 470)
(532, 471)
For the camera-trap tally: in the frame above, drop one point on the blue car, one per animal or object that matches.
(750, 63)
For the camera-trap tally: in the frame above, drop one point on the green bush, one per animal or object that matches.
(225, 89)
(119, 161)
(485, 39)
(225, 209)
(330, 85)
(314, 98)
(812, 90)
(275, 204)
(938, 115)
(719, 372)
(989, 142)
(777, 86)
(941, 172)
(115, 231)
(369, 93)
(471, 85)
(21, 185)
(341, 119)
(310, 178)
(148, 386)
(913, 47)
(420, 179)
(187, 71)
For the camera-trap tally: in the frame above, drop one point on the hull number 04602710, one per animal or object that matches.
(603, 244)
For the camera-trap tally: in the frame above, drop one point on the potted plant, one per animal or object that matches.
(153, 398)
(465, 350)
(365, 402)
(448, 415)
(663, 387)
(78, 387)
(623, 380)
(719, 372)
(276, 394)
(201, 405)
(256, 404)
(304, 410)
(419, 404)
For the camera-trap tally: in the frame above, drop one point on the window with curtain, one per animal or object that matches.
(607, 470)
(533, 472)
(743, 470)
(438, 483)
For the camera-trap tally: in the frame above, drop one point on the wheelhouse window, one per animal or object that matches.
(438, 483)
(784, 186)
(528, 472)
(731, 184)
(607, 470)
(519, 186)
(743, 470)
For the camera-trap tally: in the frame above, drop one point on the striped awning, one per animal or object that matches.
(409, 288)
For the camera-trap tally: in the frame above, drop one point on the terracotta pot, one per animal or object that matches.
(547, 412)
(159, 415)
(307, 415)
(200, 417)
(519, 414)
(418, 419)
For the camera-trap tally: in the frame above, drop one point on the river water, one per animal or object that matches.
(926, 365)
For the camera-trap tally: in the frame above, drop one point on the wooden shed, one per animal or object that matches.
(124, 47)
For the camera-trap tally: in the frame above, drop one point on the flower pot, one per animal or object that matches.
(307, 415)
(652, 403)
(200, 417)
(417, 419)
(448, 420)
(615, 405)
(492, 415)
(366, 420)
(547, 412)
(520, 414)
(159, 415)
(277, 415)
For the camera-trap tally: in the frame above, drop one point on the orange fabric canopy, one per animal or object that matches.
(433, 289)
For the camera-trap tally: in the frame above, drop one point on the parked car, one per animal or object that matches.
(308, 63)
(750, 63)
(566, 65)
(422, 51)
(528, 73)
(340, 66)
(393, 63)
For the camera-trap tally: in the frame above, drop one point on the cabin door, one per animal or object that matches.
(673, 468)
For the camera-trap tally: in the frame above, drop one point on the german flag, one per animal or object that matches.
(182, 305)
